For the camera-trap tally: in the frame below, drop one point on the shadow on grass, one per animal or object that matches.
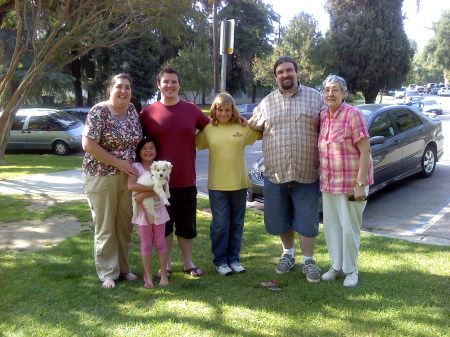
(403, 291)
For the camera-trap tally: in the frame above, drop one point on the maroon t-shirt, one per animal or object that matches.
(173, 127)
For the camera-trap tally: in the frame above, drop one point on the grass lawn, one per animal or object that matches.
(33, 163)
(403, 290)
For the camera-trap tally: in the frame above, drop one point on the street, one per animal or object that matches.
(412, 207)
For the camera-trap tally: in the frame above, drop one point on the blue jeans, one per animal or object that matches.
(227, 225)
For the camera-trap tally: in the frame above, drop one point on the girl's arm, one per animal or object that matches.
(135, 187)
(143, 195)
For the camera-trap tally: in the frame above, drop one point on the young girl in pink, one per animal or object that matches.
(151, 229)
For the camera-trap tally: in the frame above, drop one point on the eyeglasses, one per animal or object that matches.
(331, 91)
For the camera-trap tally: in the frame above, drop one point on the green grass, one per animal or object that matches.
(403, 290)
(25, 164)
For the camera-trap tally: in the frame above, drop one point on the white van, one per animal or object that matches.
(45, 129)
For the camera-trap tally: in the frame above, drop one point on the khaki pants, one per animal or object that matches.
(342, 220)
(110, 203)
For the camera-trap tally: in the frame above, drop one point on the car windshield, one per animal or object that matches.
(64, 120)
(429, 102)
(412, 93)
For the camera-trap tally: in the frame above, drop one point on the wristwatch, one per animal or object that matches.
(360, 184)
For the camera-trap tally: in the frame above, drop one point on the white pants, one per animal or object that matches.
(342, 220)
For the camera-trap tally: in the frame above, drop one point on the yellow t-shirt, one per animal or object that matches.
(227, 170)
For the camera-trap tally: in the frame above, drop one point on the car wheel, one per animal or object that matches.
(428, 161)
(60, 148)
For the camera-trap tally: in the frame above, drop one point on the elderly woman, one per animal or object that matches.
(110, 135)
(345, 175)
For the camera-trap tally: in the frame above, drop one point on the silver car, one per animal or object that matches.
(403, 141)
(246, 110)
(45, 129)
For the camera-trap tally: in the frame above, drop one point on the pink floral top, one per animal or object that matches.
(339, 156)
(118, 137)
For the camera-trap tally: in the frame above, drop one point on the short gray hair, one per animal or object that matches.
(335, 78)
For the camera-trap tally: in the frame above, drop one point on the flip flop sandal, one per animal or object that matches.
(194, 271)
(148, 285)
(271, 285)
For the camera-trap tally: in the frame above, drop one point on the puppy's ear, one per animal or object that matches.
(169, 164)
(152, 166)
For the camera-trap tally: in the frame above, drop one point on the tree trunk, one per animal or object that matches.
(75, 71)
(370, 95)
(254, 94)
(137, 103)
(90, 99)
(203, 98)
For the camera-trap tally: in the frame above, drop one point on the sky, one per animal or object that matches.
(416, 24)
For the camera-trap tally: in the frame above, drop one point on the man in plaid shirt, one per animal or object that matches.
(289, 118)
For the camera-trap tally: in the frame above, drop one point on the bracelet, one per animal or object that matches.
(360, 184)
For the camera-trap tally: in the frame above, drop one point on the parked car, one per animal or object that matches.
(435, 90)
(420, 89)
(411, 96)
(429, 87)
(45, 129)
(432, 106)
(246, 110)
(444, 91)
(403, 141)
(79, 112)
(399, 93)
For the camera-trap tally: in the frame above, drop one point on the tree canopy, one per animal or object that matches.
(252, 38)
(369, 47)
(437, 51)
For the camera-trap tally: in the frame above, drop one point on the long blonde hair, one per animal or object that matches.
(221, 99)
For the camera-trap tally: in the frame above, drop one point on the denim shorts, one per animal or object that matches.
(291, 205)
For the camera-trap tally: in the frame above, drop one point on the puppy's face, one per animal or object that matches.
(161, 168)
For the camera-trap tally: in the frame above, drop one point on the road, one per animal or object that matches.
(414, 208)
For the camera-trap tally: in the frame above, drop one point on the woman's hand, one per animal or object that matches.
(360, 193)
(126, 167)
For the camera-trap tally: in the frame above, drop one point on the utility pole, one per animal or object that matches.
(226, 47)
(216, 48)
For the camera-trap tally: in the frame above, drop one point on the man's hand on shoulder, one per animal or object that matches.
(243, 121)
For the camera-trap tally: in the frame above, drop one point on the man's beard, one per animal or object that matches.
(287, 84)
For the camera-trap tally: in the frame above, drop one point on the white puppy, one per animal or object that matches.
(158, 177)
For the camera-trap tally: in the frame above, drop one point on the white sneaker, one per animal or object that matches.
(351, 280)
(237, 267)
(332, 274)
(224, 269)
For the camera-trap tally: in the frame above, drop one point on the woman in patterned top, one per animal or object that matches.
(345, 175)
(111, 133)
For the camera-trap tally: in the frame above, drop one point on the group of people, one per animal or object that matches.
(304, 134)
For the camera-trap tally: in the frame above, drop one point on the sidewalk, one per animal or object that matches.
(64, 182)
(68, 185)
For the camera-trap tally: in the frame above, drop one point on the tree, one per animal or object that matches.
(141, 57)
(55, 33)
(437, 51)
(196, 68)
(302, 41)
(252, 38)
(369, 47)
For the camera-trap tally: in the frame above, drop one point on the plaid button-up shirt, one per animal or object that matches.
(339, 156)
(290, 126)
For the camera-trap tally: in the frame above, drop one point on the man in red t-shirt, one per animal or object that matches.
(172, 122)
